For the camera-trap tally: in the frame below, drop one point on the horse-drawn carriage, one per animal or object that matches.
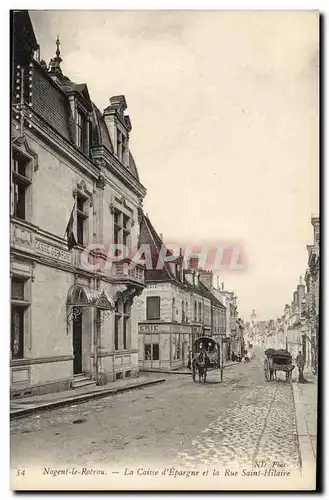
(278, 360)
(207, 355)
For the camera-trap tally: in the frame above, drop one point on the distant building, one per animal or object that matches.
(175, 308)
(311, 305)
(294, 332)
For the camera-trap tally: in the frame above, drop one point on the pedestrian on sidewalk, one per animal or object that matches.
(300, 363)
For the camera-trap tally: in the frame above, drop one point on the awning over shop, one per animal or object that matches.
(81, 296)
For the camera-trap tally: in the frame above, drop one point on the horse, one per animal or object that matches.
(199, 363)
(272, 371)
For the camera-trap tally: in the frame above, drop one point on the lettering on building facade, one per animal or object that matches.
(148, 328)
(53, 252)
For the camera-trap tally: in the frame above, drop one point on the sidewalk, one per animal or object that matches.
(34, 404)
(305, 396)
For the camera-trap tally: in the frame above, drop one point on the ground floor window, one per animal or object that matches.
(122, 325)
(151, 352)
(116, 331)
(19, 307)
(17, 332)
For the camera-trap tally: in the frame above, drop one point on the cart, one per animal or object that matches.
(278, 360)
(213, 352)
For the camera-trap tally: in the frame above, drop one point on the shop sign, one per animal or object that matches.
(148, 328)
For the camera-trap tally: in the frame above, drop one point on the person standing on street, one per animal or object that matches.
(300, 363)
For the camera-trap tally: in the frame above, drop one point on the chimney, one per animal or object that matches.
(300, 291)
(188, 276)
(194, 262)
(181, 274)
(217, 281)
(222, 285)
(206, 278)
(315, 221)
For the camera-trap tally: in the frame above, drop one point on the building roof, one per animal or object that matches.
(50, 102)
(205, 291)
(148, 235)
(132, 166)
(51, 90)
(101, 134)
(22, 36)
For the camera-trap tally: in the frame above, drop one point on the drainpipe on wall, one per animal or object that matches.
(96, 336)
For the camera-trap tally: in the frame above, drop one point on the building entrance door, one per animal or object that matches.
(77, 344)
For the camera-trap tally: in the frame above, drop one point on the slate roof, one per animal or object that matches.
(148, 235)
(23, 38)
(205, 291)
(100, 132)
(50, 102)
(50, 96)
(132, 166)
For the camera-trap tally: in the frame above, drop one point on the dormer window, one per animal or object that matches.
(82, 128)
(21, 185)
(122, 147)
(80, 131)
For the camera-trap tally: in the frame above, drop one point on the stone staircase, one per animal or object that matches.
(82, 380)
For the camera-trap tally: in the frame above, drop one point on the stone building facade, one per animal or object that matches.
(301, 318)
(294, 330)
(311, 305)
(72, 174)
(175, 308)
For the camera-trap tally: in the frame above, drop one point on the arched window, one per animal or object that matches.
(173, 309)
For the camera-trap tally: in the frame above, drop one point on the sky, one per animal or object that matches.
(224, 110)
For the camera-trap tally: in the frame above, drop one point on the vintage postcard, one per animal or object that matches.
(164, 250)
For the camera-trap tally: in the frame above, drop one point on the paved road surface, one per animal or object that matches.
(182, 423)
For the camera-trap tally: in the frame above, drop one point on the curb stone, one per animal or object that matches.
(307, 458)
(16, 414)
(177, 372)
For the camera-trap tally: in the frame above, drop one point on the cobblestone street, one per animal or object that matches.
(235, 422)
